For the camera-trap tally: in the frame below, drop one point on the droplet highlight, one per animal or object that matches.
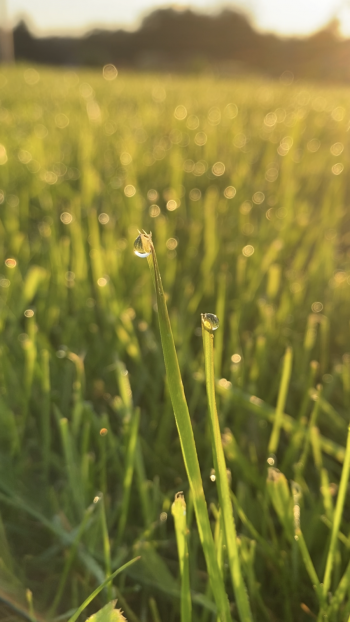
(139, 247)
(271, 460)
(210, 321)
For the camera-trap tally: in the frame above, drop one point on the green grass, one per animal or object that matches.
(263, 242)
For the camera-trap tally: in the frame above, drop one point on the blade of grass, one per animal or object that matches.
(45, 411)
(69, 561)
(220, 312)
(128, 474)
(188, 446)
(222, 481)
(178, 510)
(29, 596)
(129, 471)
(340, 593)
(154, 609)
(72, 468)
(88, 600)
(290, 426)
(310, 568)
(338, 512)
(265, 546)
(142, 484)
(313, 420)
(282, 396)
(106, 545)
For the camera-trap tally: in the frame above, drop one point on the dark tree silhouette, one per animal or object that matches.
(190, 41)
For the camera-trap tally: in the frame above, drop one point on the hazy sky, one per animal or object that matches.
(284, 16)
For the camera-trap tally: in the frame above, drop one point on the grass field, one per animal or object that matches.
(245, 187)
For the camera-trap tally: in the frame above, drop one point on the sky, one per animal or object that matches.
(286, 17)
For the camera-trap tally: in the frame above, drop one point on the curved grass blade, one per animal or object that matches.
(88, 600)
(184, 427)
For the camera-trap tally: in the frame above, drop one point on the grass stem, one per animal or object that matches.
(338, 512)
(222, 481)
(185, 431)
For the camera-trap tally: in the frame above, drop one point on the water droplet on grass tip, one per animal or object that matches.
(179, 495)
(210, 321)
(139, 248)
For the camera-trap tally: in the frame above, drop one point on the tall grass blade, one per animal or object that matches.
(310, 568)
(106, 544)
(282, 396)
(184, 426)
(222, 480)
(69, 560)
(128, 473)
(93, 594)
(338, 512)
(45, 411)
(178, 510)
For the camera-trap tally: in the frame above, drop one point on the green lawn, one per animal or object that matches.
(245, 187)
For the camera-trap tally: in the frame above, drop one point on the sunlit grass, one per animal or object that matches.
(244, 185)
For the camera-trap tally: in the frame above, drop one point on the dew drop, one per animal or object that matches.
(139, 248)
(271, 460)
(210, 321)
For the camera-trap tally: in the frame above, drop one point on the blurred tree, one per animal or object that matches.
(190, 41)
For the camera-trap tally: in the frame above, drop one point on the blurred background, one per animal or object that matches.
(224, 130)
(309, 38)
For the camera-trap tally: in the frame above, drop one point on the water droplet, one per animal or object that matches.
(271, 460)
(139, 246)
(212, 475)
(210, 321)
(179, 495)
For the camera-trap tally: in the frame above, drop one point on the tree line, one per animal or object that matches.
(185, 40)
